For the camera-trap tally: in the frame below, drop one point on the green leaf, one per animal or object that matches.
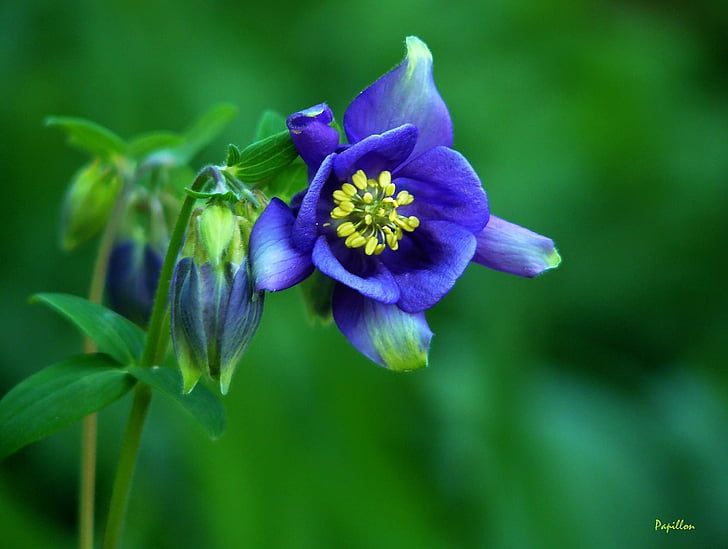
(264, 158)
(201, 403)
(149, 143)
(202, 132)
(89, 136)
(57, 397)
(112, 333)
(271, 123)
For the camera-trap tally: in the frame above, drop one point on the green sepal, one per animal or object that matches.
(270, 123)
(89, 136)
(317, 290)
(264, 158)
(201, 403)
(58, 396)
(233, 155)
(113, 334)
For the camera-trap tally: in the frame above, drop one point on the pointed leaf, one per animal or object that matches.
(57, 397)
(89, 136)
(112, 333)
(201, 403)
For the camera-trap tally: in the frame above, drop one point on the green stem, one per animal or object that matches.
(125, 468)
(154, 347)
(87, 480)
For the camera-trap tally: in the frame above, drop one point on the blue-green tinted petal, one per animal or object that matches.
(188, 332)
(405, 95)
(513, 249)
(382, 332)
(243, 312)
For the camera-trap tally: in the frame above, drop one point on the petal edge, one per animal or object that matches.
(513, 249)
(382, 332)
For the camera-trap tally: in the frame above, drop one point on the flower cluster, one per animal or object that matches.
(393, 216)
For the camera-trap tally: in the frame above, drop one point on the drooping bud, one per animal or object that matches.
(88, 202)
(214, 309)
(136, 259)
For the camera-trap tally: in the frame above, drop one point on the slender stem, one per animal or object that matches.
(125, 468)
(87, 487)
(153, 348)
(87, 479)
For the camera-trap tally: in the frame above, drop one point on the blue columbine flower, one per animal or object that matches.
(394, 216)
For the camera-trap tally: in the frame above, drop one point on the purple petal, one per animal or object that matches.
(314, 138)
(243, 314)
(513, 249)
(428, 262)
(276, 263)
(188, 332)
(306, 226)
(445, 187)
(405, 95)
(377, 153)
(131, 279)
(379, 284)
(382, 332)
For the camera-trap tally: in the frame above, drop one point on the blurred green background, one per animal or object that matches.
(567, 411)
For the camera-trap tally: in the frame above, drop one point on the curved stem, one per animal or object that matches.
(154, 347)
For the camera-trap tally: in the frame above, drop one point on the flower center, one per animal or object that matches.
(366, 212)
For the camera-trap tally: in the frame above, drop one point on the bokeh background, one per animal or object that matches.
(572, 410)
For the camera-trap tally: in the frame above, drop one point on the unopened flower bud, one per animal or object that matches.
(88, 202)
(136, 259)
(214, 308)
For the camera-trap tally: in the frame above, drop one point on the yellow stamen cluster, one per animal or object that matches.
(366, 212)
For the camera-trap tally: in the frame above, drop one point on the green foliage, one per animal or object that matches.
(89, 136)
(202, 404)
(57, 397)
(113, 334)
